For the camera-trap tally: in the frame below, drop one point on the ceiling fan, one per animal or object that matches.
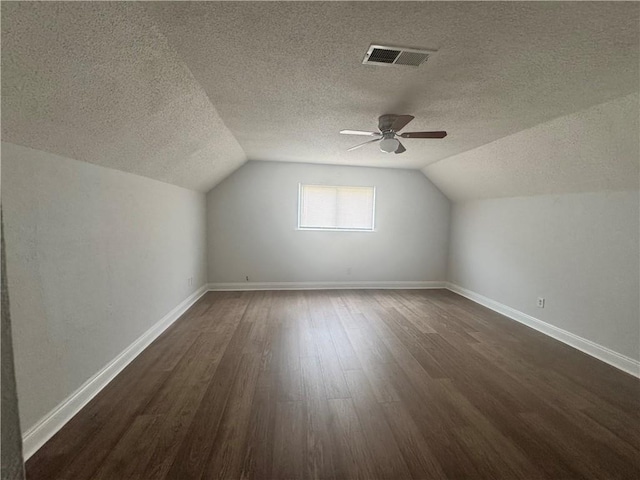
(389, 126)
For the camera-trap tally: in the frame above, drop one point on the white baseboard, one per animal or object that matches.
(242, 286)
(615, 359)
(42, 431)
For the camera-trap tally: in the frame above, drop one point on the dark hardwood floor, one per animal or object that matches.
(352, 384)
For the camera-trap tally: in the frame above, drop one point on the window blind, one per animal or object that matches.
(324, 207)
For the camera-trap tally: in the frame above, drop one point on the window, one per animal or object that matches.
(322, 207)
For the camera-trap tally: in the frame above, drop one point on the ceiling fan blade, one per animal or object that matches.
(400, 122)
(360, 132)
(363, 144)
(423, 134)
(400, 148)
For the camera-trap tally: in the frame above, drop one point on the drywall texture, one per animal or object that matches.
(252, 228)
(95, 257)
(596, 149)
(11, 451)
(287, 76)
(96, 81)
(179, 91)
(578, 251)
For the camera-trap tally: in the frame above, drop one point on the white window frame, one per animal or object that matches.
(332, 229)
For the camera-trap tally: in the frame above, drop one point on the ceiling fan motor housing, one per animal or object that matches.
(385, 122)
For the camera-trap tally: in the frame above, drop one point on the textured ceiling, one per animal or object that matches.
(96, 81)
(146, 87)
(597, 149)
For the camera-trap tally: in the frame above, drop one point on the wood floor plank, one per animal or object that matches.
(320, 451)
(354, 457)
(130, 455)
(289, 440)
(225, 460)
(483, 440)
(257, 459)
(350, 384)
(332, 374)
(182, 393)
(420, 460)
(86, 461)
(194, 451)
(290, 387)
(389, 462)
(589, 458)
(346, 354)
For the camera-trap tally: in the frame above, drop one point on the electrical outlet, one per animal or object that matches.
(247, 278)
(540, 302)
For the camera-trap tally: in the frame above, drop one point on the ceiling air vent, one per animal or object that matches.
(380, 55)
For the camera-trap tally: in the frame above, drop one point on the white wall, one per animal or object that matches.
(579, 251)
(95, 257)
(252, 220)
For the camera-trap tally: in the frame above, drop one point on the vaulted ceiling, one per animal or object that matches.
(186, 92)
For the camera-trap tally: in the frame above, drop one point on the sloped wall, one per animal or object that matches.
(12, 462)
(580, 252)
(95, 257)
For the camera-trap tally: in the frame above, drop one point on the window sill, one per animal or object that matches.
(305, 229)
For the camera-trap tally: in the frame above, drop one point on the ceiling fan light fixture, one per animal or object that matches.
(389, 145)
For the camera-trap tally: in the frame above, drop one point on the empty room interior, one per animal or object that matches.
(332, 240)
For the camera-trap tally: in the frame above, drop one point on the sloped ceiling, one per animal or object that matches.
(185, 92)
(597, 149)
(97, 81)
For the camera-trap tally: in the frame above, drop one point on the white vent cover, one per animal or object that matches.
(381, 55)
